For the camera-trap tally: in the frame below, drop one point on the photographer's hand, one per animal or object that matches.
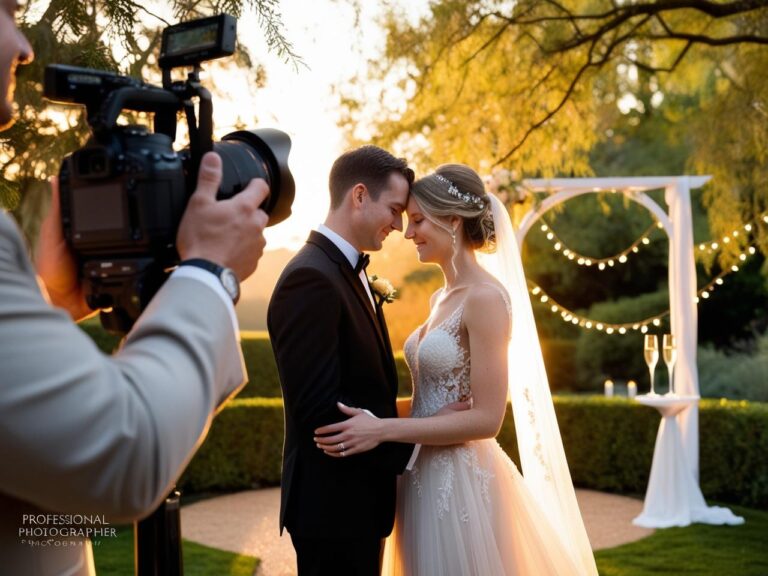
(228, 232)
(56, 265)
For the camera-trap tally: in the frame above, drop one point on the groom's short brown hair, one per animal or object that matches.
(369, 165)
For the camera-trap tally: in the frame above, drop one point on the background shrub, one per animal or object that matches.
(734, 375)
(600, 356)
(608, 441)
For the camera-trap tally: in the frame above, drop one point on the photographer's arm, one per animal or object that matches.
(86, 433)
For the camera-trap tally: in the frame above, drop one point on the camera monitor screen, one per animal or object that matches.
(193, 42)
(192, 39)
(98, 208)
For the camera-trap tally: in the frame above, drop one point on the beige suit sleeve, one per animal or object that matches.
(88, 433)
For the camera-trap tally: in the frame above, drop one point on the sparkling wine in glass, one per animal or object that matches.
(651, 354)
(669, 353)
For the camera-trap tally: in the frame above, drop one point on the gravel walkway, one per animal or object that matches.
(246, 522)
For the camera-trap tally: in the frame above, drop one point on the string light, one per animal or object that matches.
(601, 263)
(571, 317)
(714, 246)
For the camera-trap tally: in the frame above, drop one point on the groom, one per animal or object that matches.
(331, 344)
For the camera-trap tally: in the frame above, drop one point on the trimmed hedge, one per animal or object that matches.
(244, 448)
(609, 444)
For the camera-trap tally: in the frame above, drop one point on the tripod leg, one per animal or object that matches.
(157, 540)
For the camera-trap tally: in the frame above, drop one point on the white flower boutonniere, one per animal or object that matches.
(383, 289)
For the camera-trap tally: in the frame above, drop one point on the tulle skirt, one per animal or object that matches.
(465, 511)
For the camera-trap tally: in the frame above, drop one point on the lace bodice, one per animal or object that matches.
(439, 362)
(439, 365)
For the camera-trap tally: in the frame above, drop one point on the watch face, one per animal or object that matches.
(231, 284)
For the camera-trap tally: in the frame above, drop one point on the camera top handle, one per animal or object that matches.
(141, 99)
(106, 94)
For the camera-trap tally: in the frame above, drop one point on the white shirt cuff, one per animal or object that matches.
(209, 279)
(412, 461)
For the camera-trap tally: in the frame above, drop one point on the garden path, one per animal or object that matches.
(246, 522)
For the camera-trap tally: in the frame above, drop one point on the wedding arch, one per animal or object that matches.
(676, 221)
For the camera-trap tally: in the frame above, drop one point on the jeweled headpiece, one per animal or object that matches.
(466, 197)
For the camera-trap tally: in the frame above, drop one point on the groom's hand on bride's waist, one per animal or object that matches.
(459, 406)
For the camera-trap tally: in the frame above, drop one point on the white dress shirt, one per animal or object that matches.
(350, 253)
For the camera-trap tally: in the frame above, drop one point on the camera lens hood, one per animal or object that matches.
(269, 148)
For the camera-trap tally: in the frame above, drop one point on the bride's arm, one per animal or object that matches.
(488, 325)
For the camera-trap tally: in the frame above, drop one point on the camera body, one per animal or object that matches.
(123, 194)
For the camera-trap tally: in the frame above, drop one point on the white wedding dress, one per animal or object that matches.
(464, 510)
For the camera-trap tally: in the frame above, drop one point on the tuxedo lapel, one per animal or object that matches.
(388, 343)
(355, 283)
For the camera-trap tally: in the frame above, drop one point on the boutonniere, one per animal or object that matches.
(383, 289)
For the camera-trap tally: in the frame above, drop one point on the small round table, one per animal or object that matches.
(673, 497)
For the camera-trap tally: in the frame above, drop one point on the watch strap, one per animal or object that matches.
(218, 271)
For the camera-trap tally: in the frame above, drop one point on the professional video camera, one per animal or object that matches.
(124, 192)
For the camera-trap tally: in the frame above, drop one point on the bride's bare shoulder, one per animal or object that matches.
(487, 306)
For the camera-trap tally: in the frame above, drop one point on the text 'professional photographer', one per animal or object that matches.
(87, 438)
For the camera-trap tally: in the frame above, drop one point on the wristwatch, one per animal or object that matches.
(226, 276)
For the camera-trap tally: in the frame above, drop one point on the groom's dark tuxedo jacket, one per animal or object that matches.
(332, 345)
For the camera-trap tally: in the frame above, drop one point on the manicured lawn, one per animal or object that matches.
(114, 557)
(698, 550)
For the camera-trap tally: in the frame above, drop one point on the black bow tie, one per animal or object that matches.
(362, 262)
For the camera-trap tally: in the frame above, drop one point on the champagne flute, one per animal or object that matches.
(669, 352)
(651, 354)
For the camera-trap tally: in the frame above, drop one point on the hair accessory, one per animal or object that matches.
(456, 193)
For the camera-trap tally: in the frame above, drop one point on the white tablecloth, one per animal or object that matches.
(674, 497)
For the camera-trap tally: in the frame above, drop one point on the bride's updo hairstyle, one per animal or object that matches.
(457, 190)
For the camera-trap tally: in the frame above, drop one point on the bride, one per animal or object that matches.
(464, 509)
